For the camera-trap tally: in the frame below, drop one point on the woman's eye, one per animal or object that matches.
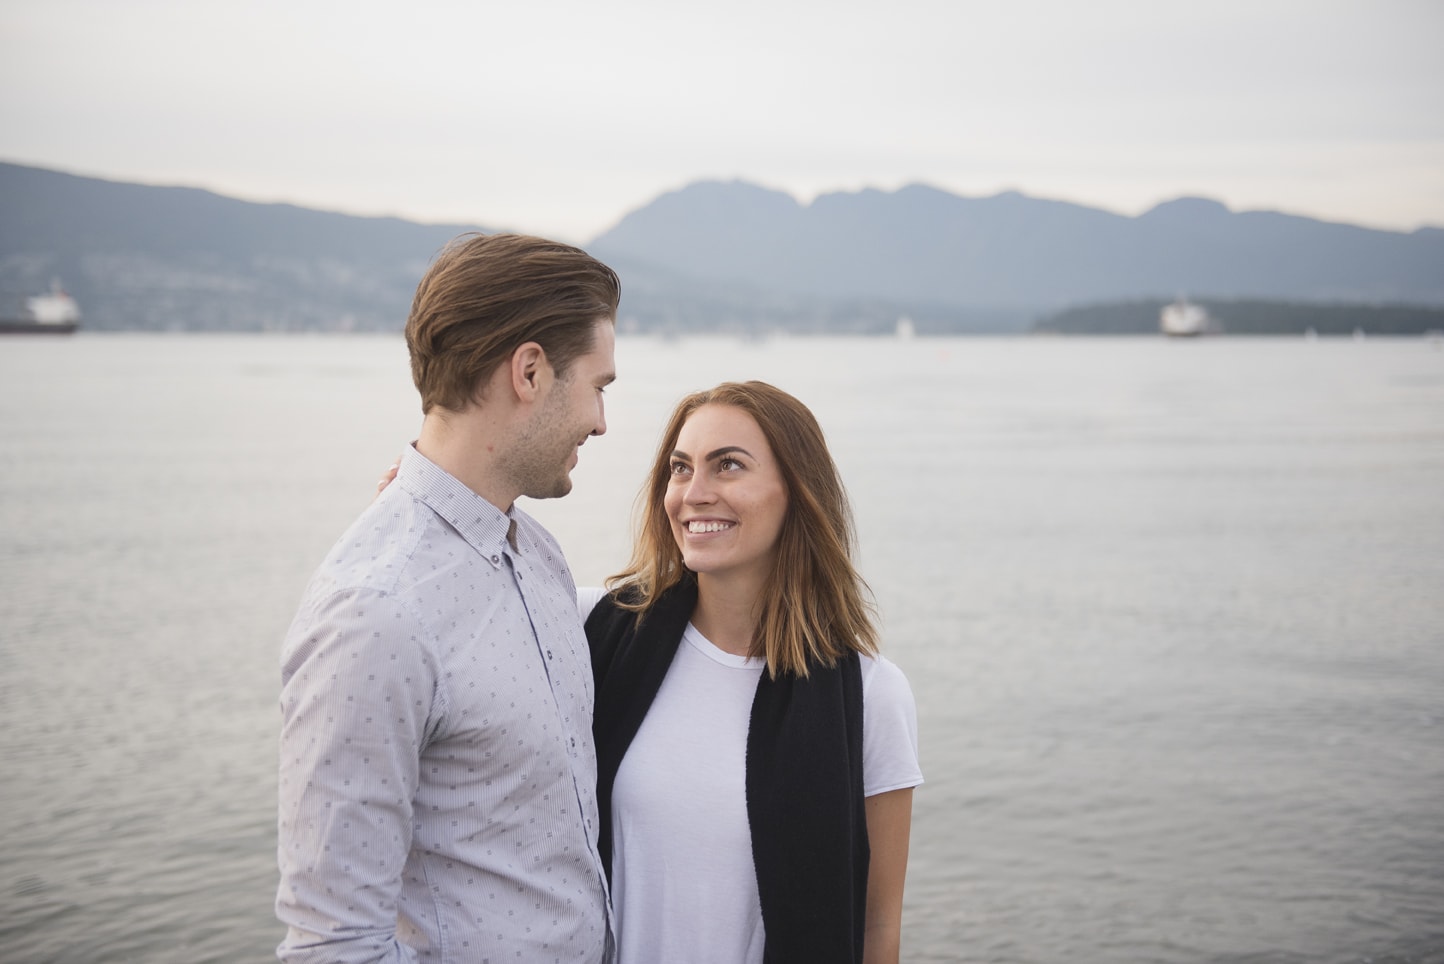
(679, 468)
(729, 464)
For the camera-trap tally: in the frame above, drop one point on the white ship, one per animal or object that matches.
(55, 313)
(1183, 319)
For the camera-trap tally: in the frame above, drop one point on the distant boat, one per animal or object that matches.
(55, 313)
(1183, 319)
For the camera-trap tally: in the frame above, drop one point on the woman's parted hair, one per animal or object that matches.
(816, 606)
(487, 295)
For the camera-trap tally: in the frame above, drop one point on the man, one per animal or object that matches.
(438, 778)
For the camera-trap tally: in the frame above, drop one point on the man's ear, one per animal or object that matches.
(530, 371)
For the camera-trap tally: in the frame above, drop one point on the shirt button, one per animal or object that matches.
(496, 560)
(549, 654)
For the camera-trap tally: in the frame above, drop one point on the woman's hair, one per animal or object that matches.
(814, 608)
(487, 295)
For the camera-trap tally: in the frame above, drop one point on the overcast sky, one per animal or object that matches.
(560, 117)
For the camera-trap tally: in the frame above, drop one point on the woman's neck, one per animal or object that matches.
(726, 613)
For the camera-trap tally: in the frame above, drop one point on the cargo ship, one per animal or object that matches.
(55, 313)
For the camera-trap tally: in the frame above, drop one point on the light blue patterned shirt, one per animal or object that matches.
(437, 778)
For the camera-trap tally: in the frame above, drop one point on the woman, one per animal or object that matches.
(756, 757)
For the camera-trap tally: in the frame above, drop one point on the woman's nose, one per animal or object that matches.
(699, 490)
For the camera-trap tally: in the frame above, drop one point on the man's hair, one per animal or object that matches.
(487, 295)
(815, 607)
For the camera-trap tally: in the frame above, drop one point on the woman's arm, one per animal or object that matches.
(889, 824)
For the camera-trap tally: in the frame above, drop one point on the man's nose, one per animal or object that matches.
(601, 427)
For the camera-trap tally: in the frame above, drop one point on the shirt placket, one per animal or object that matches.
(570, 711)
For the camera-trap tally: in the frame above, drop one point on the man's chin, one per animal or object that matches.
(556, 490)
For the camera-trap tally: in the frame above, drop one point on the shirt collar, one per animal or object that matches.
(484, 527)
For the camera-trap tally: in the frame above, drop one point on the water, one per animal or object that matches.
(1172, 613)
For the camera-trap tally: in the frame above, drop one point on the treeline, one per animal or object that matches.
(1248, 317)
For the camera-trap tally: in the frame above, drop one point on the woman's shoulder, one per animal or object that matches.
(879, 672)
(885, 687)
(590, 597)
(890, 728)
(587, 599)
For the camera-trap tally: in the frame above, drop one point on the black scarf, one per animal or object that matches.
(804, 776)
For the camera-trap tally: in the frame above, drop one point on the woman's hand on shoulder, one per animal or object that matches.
(387, 478)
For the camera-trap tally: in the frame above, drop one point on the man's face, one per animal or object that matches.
(570, 413)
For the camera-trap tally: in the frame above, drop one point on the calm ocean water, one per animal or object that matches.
(1172, 613)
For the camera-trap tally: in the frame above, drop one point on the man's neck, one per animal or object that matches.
(466, 445)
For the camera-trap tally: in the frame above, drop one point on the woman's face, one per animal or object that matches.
(726, 498)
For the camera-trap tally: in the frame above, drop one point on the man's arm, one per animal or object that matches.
(357, 699)
(889, 827)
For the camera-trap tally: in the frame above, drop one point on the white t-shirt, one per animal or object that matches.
(683, 884)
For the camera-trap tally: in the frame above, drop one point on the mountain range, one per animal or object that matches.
(141, 257)
(710, 256)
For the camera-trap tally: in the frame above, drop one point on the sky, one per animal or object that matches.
(558, 117)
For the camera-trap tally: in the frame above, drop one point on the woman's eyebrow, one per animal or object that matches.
(714, 454)
(728, 450)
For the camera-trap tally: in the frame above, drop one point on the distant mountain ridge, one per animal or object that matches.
(1010, 251)
(715, 256)
(142, 257)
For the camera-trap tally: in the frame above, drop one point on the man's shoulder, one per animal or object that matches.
(362, 577)
(377, 549)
